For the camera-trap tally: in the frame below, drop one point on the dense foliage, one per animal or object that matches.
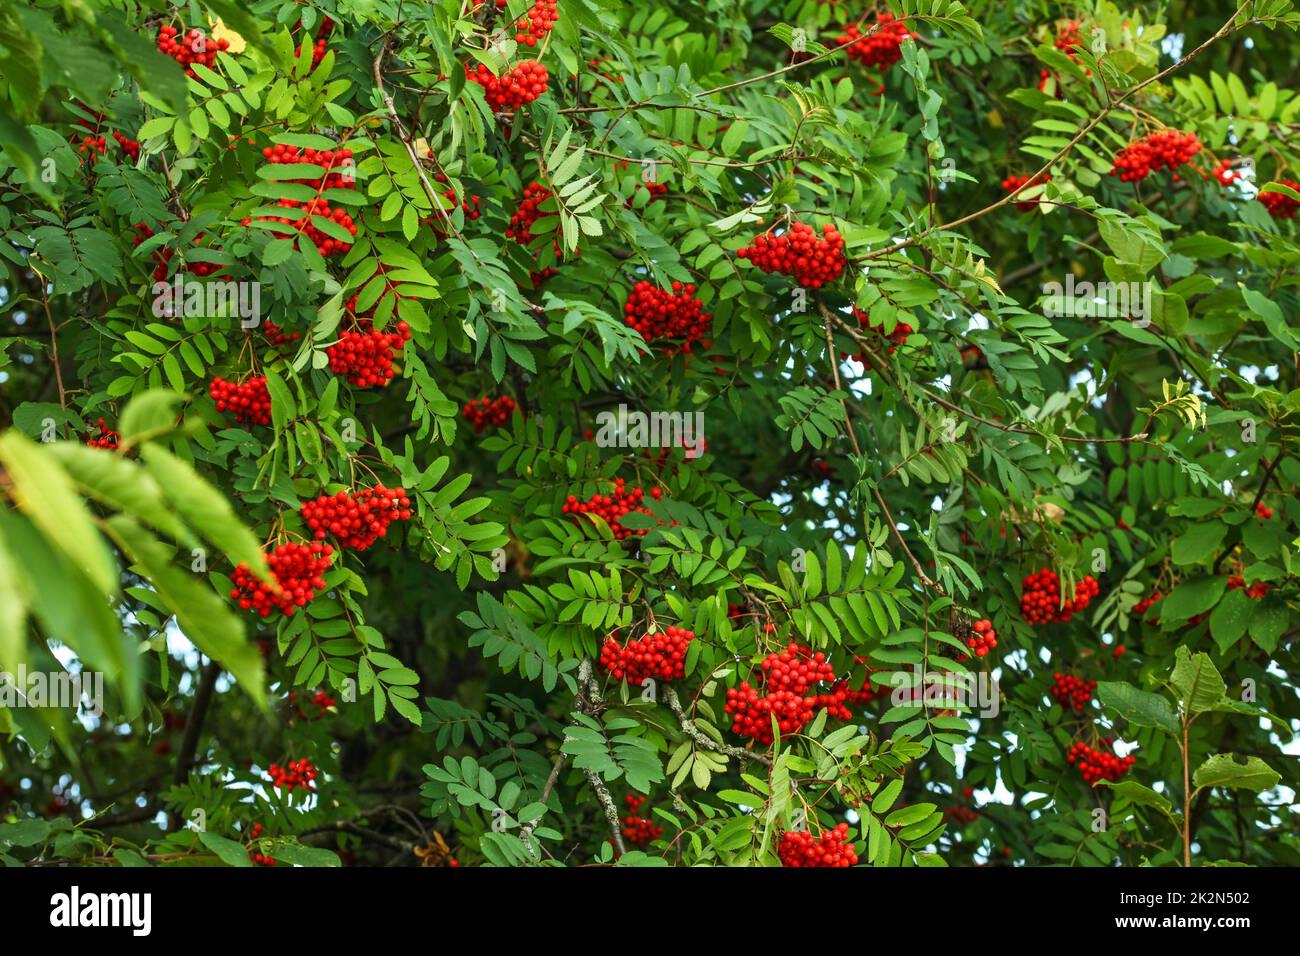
(691, 432)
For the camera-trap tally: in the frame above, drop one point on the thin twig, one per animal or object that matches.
(708, 743)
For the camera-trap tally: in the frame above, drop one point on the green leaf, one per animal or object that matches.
(230, 852)
(1199, 542)
(1192, 597)
(13, 610)
(1140, 708)
(45, 493)
(1223, 770)
(205, 508)
(1134, 792)
(1197, 681)
(291, 851)
(150, 414)
(118, 483)
(203, 616)
(68, 605)
(1230, 617)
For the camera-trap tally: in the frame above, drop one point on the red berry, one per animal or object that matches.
(879, 48)
(296, 773)
(1167, 149)
(1094, 765)
(799, 848)
(249, 400)
(489, 411)
(107, 438)
(659, 314)
(1280, 205)
(613, 506)
(658, 656)
(297, 572)
(1012, 183)
(520, 85)
(356, 519)
(1072, 693)
(1041, 600)
(799, 253)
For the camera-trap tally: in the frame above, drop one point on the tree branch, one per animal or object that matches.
(702, 740)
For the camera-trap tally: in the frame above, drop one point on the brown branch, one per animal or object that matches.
(1036, 178)
(194, 726)
(377, 69)
(54, 345)
(526, 834)
(590, 702)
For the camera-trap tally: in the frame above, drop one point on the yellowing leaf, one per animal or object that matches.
(222, 32)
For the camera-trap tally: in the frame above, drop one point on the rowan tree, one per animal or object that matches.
(804, 433)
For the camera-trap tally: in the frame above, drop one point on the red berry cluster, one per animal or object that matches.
(257, 857)
(519, 86)
(832, 848)
(1072, 693)
(896, 338)
(1041, 601)
(305, 212)
(658, 656)
(1097, 765)
(296, 773)
(1225, 173)
(984, 638)
(365, 354)
(639, 830)
(318, 47)
(92, 146)
(283, 154)
(356, 519)
(469, 205)
(162, 257)
(659, 314)
(1255, 590)
(249, 400)
(189, 48)
(879, 47)
(1067, 41)
(800, 254)
(1280, 205)
(1140, 608)
(533, 26)
(862, 694)
(276, 336)
(1263, 511)
(320, 702)
(787, 679)
(489, 411)
(1167, 149)
(298, 571)
(960, 813)
(520, 228)
(655, 189)
(613, 506)
(107, 438)
(128, 146)
(1012, 183)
